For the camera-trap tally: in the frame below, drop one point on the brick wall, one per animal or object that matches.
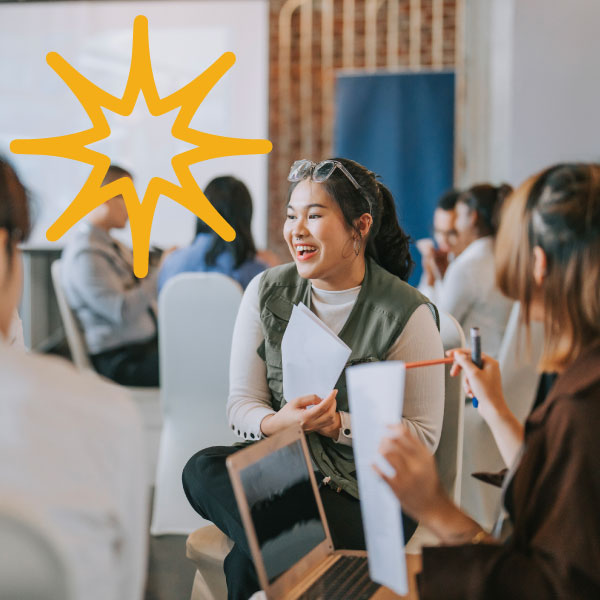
(322, 115)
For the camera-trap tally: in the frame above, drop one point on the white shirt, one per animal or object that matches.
(71, 446)
(469, 293)
(249, 395)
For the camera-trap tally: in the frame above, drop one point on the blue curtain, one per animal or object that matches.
(402, 127)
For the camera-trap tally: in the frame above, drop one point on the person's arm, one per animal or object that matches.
(423, 410)
(458, 290)
(549, 555)
(249, 409)
(416, 484)
(101, 288)
(249, 399)
(486, 385)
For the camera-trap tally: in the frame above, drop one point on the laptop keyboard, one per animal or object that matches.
(347, 579)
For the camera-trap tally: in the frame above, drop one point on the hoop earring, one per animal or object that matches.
(357, 246)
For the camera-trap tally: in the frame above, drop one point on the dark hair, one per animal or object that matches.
(116, 172)
(233, 201)
(559, 211)
(447, 200)
(14, 208)
(387, 244)
(486, 200)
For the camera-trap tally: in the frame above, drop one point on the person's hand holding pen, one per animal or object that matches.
(486, 385)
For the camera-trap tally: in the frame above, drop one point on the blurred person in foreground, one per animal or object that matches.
(72, 445)
(548, 258)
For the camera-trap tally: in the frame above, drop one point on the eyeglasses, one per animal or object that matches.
(320, 172)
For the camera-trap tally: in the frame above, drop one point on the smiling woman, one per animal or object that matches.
(350, 262)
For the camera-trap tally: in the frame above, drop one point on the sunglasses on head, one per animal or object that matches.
(319, 172)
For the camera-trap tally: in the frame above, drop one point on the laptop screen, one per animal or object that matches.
(283, 508)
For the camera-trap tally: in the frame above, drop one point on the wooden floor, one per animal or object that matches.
(170, 573)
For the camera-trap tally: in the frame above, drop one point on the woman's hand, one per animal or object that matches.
(312, 413)
(415, 481)
(419, 489)
(485, 383)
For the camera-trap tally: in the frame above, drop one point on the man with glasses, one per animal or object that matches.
(435, 258)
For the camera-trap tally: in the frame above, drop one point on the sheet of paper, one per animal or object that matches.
(376, 395)
(313, 357)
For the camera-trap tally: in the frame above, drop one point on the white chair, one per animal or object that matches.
(197, 312)
(147, 399)
(449, 453)
(520, 378)
(73, 331)
(33, 565)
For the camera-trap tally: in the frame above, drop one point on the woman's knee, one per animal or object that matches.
(201, 471)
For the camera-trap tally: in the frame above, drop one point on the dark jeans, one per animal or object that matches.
(208, 489)
(135, 365)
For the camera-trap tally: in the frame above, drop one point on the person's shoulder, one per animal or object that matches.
(79, 395)
(85, 246)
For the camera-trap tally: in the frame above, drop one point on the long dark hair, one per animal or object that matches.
(486, 200)
(233, 201)
(14, 207)
(387, 243)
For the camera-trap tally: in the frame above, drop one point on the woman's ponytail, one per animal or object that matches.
(486, 200)
(390, 245)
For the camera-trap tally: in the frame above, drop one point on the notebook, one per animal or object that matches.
(286, 527)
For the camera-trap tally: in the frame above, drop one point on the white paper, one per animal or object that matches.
(313, 357)
(376, 395)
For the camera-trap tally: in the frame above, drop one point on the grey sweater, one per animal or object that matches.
(111, 304)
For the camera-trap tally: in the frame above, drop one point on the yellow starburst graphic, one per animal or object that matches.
(140, 80)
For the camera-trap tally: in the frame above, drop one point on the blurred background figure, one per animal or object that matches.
(116, 310)
(468, 290)
(208, 252)
(72, 442)
(436, 254)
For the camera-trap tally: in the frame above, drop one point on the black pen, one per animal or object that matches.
(476, 354)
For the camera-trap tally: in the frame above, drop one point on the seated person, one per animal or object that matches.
(468, 290)
(350, 263)
(436, 258)
(116, 310)
(548, 258)
(209, 252)
(72, 444)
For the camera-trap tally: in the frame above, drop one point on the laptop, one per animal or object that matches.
(286, 527)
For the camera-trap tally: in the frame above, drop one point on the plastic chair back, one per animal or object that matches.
(197, 313)
(449, 453)
(73, 331)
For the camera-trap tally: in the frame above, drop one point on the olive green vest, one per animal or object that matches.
(382, 309)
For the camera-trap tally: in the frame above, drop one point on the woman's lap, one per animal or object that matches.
(208, 488)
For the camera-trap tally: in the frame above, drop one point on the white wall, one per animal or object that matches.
(95, 37)
(540, 91)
